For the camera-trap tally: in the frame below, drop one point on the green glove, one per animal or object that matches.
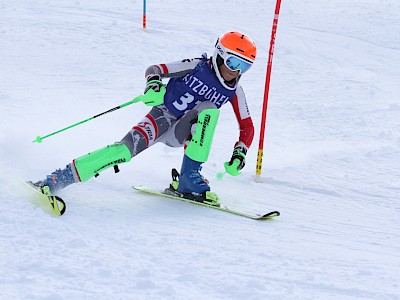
(238, 160)
(153, 82)
(152, 98)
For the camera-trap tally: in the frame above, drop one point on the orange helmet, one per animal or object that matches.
(236, 50)
(239, 44)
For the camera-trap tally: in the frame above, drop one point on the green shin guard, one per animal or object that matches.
(200, 144)
(93, 163)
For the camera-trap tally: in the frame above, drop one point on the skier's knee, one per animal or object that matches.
(204, 105)
(185, 130)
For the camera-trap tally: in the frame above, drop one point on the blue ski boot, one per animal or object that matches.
(190, 179)
(192, 185)
(58, 180)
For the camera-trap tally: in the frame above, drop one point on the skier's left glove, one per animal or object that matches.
(238, 159)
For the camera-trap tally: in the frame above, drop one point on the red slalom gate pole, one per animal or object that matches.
(266, 91)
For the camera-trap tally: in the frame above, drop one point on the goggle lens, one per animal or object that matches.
(235, 63)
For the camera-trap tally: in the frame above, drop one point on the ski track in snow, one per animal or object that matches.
(331, 160)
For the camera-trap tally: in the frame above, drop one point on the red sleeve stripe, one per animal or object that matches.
(164, 68)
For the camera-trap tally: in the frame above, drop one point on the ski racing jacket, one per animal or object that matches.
(194, 80)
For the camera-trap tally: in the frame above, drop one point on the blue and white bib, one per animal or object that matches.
(185, 92)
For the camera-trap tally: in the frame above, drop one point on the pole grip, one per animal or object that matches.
(233, 168)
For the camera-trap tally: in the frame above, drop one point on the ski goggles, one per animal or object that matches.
(235, 63)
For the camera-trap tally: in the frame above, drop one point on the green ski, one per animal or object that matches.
(266, 216)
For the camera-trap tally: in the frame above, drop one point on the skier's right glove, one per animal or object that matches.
(153, 82)
(238, 160)
(154, 91)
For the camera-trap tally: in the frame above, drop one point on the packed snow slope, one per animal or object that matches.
(331, 162)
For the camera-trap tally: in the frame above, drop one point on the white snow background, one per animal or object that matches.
(331, 160)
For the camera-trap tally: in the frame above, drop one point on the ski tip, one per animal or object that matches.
(51, 204)
(58, 205)
(271, 214)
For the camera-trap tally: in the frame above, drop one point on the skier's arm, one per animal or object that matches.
(155, 90)
(173, 69)
(155, 73)
(246, 127)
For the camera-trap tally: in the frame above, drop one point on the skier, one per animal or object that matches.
(186, 115)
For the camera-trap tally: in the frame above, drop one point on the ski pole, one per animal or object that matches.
(220, 175)
(151, 98)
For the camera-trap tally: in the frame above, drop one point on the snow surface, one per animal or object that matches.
(331, 160)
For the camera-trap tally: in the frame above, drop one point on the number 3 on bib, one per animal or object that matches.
(183, 102)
